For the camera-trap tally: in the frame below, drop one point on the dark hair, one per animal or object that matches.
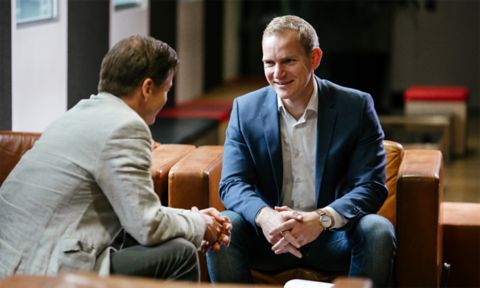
(132, 60)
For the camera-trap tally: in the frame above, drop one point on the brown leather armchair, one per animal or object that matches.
(414, 181)
(14, 144)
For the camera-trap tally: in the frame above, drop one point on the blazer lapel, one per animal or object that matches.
(327, 116)
(271, 130)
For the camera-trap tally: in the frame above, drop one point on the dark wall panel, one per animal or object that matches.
(213, 43)
(356, 48)
(163, 26)
(88, 41)
(5, 66)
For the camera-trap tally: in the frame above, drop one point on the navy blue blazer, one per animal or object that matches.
(350, 157)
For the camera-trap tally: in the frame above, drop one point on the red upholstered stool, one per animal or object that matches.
(450, 100)
(461, 243)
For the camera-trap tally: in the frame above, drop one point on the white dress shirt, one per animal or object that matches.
(298, 154)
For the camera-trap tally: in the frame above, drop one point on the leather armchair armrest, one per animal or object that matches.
(194, 180)
(419, 233)
(164, 156)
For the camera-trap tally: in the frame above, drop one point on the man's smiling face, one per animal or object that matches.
(288, 68)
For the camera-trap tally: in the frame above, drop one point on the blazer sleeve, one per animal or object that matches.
(365, 189)
(123, 174)
(238, 189)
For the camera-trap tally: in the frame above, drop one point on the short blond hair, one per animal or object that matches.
(306, 33)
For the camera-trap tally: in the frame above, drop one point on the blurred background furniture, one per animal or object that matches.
(214, 110)
(438, 100)
(185, 130)
(420, 131)
(414, 180)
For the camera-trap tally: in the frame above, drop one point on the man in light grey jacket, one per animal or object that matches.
(87, 179)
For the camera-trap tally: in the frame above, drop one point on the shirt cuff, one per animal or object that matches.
(340, 221)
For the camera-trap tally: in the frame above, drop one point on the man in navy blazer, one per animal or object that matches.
(303, 171)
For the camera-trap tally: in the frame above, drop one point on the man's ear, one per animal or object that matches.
(316, 57)
(147, 88)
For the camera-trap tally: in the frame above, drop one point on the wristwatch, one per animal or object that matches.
(326, 219)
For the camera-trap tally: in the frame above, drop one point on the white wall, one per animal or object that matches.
(127, 22)
(439, 47)
(189, 79)
(39, 71)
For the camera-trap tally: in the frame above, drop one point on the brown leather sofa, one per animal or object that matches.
(164, 156)
(414, 180)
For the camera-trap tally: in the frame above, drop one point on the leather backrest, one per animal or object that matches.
(394, 152)
(201, 169)
(12, 146)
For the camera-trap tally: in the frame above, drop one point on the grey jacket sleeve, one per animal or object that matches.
(123, 174)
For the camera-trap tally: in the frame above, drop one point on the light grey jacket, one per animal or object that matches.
(85, 178)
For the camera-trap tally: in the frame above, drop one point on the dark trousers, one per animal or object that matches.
(175, 259)
(367, 251)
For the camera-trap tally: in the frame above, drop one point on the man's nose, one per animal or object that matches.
(279, 72)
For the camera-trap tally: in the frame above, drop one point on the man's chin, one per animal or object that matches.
(151, 121)
(282, 94)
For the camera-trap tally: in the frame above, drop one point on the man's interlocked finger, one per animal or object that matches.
(291, 239)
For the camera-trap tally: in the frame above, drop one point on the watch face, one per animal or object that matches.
(326, 221)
